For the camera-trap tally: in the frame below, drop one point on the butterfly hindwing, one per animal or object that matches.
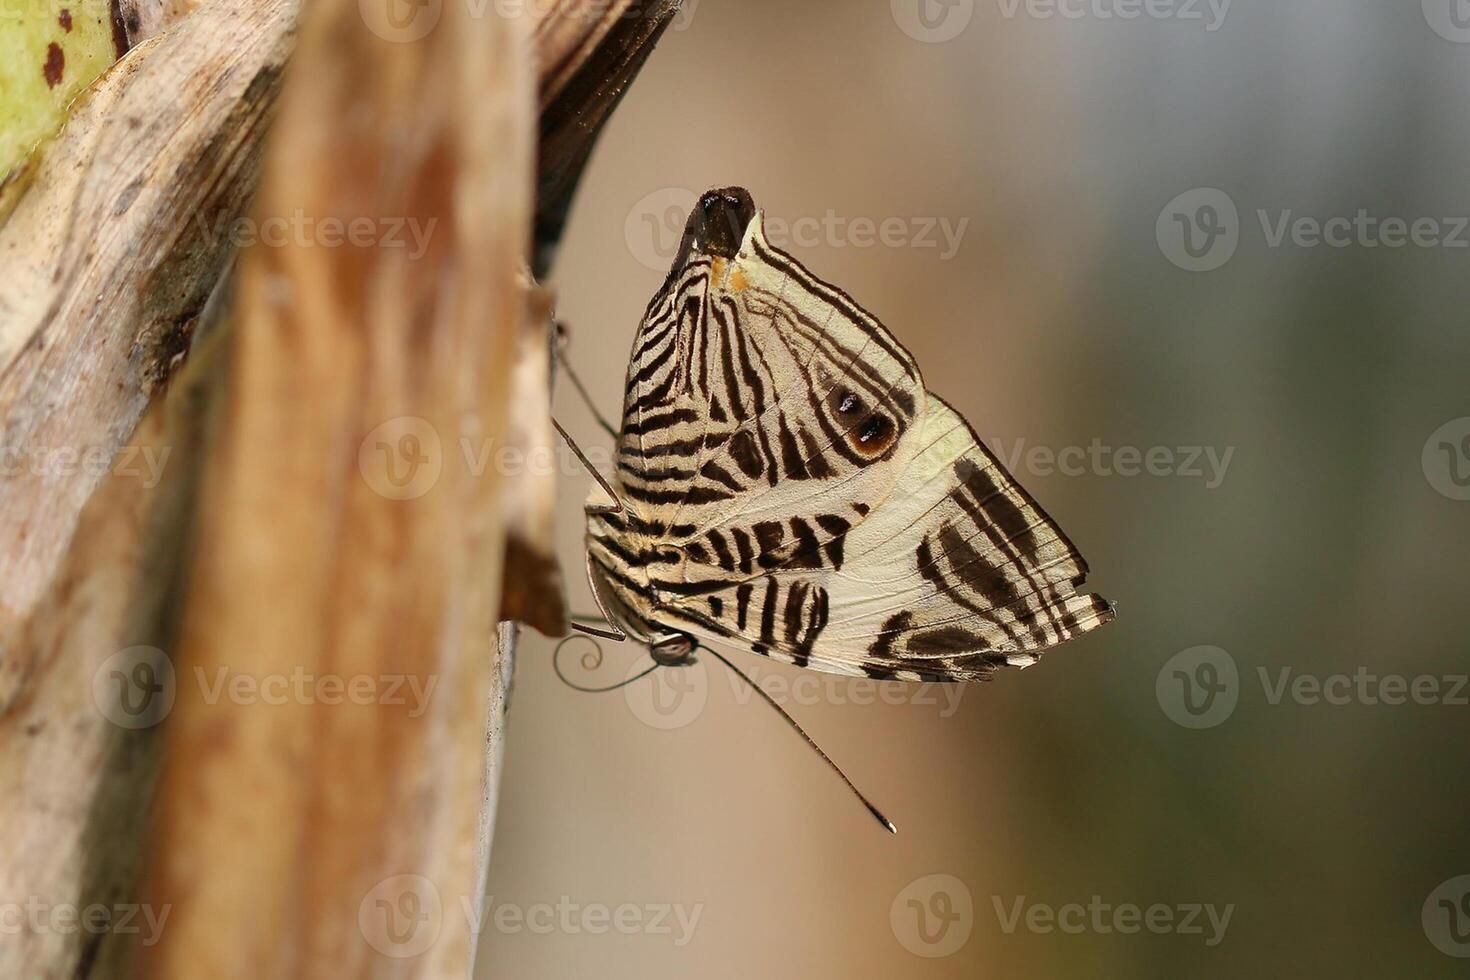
(957, 573)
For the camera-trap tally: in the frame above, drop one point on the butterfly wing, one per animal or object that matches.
(792, 487)
(957, 573)
(757, 394)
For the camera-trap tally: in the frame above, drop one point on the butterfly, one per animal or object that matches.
(784, 482)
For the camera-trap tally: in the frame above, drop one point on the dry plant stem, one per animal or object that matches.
(105, 274)
(107, 262)
(280, 827)
(138, 20)
(507, 636)
(124, 230)
(108, 259)
(74, 783)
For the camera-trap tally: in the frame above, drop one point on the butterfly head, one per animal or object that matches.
(717, 225)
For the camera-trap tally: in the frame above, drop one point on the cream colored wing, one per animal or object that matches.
(757, 393)
(791, 486)
(956, 573)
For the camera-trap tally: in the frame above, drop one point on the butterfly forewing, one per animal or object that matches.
(790, 485)
(752, 400)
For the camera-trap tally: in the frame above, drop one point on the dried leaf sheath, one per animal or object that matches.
(306, 558)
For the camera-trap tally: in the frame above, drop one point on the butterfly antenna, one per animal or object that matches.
(565, 362)
(878, 814)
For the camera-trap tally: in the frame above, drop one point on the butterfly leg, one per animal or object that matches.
(617, 505)
(614, 633)
(565, 363)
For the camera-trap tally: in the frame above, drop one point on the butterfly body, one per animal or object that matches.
(786, 483)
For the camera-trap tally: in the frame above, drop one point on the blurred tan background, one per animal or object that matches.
(1325, 540)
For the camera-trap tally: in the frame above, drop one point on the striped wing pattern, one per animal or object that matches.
(790, 486)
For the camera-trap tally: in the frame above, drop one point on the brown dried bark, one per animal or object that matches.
(273, 822)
